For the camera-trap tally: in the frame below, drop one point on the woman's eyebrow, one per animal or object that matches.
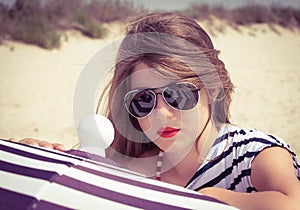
(151, 88)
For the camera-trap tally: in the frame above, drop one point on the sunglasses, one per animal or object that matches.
(180, 96)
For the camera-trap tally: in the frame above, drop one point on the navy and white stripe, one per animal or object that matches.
(231, 170)
(37, 178)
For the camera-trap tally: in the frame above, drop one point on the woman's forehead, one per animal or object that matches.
(144, 76)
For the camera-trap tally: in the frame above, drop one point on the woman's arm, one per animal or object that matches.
(36, 142)
(273, 175)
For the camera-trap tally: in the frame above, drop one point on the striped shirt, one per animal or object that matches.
(228, 163)
(39, 178)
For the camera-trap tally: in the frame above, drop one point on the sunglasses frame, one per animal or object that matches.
(163, 88)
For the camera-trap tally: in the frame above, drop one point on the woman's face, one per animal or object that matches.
(170, 129)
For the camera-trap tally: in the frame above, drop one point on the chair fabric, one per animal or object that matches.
(38, 178)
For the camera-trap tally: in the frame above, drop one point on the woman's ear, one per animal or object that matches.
(212, 95)
(216, 94)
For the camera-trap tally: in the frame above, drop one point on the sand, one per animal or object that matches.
(37, 85)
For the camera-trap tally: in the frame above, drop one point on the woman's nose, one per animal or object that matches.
(162, 108)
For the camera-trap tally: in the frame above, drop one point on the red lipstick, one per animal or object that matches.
(168, 132)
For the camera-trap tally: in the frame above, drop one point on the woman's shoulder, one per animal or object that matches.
(240, 133)
(252, 139)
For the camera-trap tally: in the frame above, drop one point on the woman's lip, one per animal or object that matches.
(168, 132)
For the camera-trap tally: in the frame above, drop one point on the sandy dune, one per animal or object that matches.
(37, 85)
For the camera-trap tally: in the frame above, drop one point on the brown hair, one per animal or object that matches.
(172, 44)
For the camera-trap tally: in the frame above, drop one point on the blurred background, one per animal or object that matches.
(45, 44)
(43, 22)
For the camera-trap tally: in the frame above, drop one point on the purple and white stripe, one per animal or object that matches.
(37, 178)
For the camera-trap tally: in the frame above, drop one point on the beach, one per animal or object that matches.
(37, 86)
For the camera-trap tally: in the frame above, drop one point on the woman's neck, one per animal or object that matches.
(177, 168)
(182, 171)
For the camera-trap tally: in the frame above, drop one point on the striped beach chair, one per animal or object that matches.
(39, 178)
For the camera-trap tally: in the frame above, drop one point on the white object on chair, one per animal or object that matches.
(95, 133)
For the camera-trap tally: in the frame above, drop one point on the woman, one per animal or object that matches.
(169, 103)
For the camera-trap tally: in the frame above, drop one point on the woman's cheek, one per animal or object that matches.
(144, 124)
(147, 128)
(151, 126)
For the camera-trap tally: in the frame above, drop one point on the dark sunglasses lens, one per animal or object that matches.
(140, 103)
(182, 96)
